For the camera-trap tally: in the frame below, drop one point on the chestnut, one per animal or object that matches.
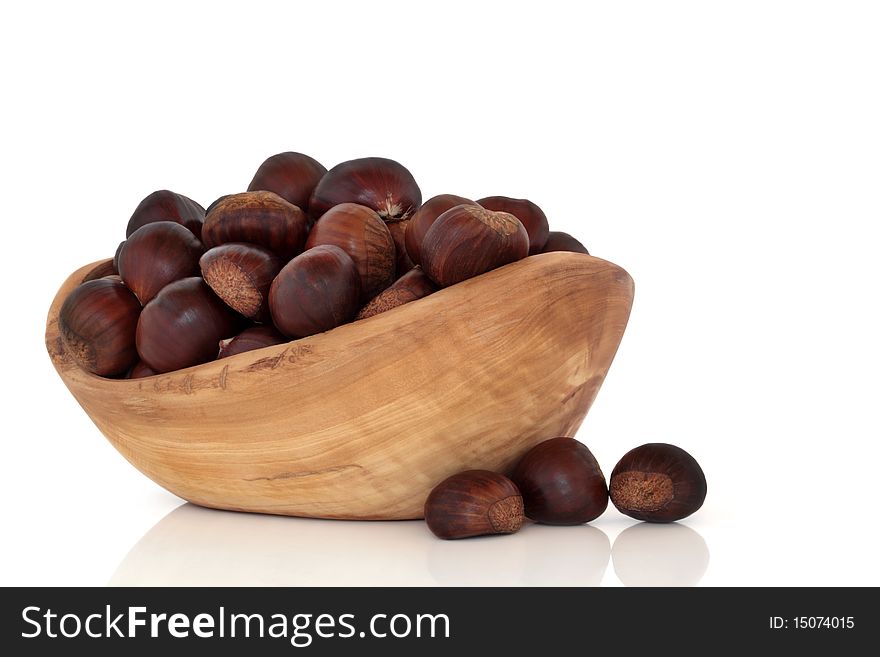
(214, 203)
(359, 231)
(261, 218)
(97, 323)
(316, 291)
(658, 482)
(157, 254)
(293, 176)
(398, 229)
(531, 216)
(255, 337)
(409, 287)
(384, 185)
(561, 483)
(165, 205)
(559, 241)
(116, 256)
(423, 219)
(183, 325)
(102, 271)
(141, 370)
(469, 240)
(474, 503)
(241, 274)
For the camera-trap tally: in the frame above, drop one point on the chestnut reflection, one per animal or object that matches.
(649, 554)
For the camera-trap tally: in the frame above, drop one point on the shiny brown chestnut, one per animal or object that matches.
(102, 271)
(658, 482)
(165, 205)
(214, 203)
(469, 240)
(411, 286)
(398, 230)
(531, 216)
(183, 325)
(255, 337)
(116, 257)
(141, 370)
(359, 231)
(424, 218)
(97, 323)
(316, 291)
(384, 185)
(261, 218)
(474, 503)
(561, 483)
(293, 176)
(559, 241)
(158, 254)
(241, 274)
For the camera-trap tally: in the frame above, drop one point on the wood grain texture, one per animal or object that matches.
(362, 421)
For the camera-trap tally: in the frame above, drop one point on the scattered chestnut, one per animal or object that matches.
(531, 216)
(559, 241)
(164, 205)
(384, 185)
(241, 274)
(97, 323)
(409, 287)
(474, 503)
(658, 482)
(561, 483)
(157, 254)
(359, 231)
(293, 176)
(255, 337)
(183, 325)
(316, 291)
(469, 240)
(424, 218)
(141, 370)
(261, 218)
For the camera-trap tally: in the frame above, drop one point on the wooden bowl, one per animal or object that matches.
(362, 421)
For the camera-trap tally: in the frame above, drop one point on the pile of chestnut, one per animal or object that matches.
(302, 251)
(559, 482)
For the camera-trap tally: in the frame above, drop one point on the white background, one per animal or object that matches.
(726, 154)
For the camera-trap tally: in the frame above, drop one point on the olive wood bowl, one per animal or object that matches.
(362, 421)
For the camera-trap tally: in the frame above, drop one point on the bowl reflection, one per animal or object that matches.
(192, 546)
(651, 554)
